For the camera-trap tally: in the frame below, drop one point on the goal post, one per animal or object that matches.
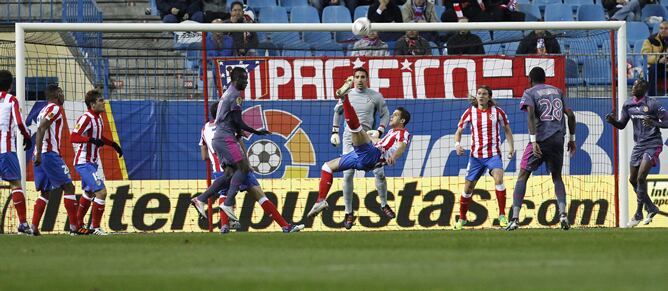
(618, 27)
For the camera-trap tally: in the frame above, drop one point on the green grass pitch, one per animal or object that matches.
(538, 259)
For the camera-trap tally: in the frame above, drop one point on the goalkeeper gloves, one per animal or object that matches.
(335, 139)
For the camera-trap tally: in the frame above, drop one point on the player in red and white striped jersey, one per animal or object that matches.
(50, 170)
(368, 153)
(10, 120)
(485, 119)
(87, 139)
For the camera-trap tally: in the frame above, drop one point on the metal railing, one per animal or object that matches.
(30, 11)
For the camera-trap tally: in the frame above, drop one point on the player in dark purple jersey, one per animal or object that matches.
(545, 106)
(648, 117)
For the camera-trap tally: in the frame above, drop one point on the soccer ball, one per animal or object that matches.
(264, 157)
(361, 26)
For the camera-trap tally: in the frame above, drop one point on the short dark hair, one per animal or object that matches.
(237, 3)
(537, 75)
(237, 72)
(213, 109)
(51, 91)
(361, 69)
(91, 97)
(405, 115)
(6, 80)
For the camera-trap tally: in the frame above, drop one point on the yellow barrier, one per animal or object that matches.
(420, 203)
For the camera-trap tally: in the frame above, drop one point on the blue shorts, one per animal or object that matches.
(9, 167)
(51, 173)
(476, 167)
(365, 157)
(90, 182)
(251, 181)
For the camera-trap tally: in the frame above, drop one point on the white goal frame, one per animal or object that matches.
(618, 26)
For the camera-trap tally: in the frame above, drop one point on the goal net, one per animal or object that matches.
(158, 84)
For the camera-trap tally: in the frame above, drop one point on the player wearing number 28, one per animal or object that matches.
(545, 106)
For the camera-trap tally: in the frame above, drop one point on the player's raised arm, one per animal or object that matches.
(621, 123)
(336, 121)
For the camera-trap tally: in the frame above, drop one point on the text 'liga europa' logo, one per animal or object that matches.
(292, 151)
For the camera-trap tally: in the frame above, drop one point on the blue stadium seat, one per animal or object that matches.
(531, 12)
(297, 49)
(274, 14)
(523, 2)
(439, 11)
(637, 45)
(558, 12)
(654, 10)
(636, 30)
(361, 11)
(494, 49)
(309, 14)
(304, 14)
(338, 14)
(435, 50)
(511, 48)
(572, 73)
(597, 71)
(579, 49)
(507, 35)
(258, 5)
(546, 2)
(590, 12)
(328, 49)
(578, 2)
(268, 49)
(289, 4)
(484, 35)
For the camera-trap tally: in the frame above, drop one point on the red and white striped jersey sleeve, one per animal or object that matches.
(465, 119)
(502, 116)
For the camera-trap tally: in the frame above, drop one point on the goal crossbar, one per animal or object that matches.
(618, 26)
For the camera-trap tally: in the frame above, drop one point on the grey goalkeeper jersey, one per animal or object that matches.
(366, 103)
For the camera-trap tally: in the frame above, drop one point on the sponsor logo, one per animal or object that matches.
(658, 192)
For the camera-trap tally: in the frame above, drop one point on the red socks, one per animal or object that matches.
(98, 210)
(84, 204)
(464, 205)
(326, 178)
(270, 209)
(350, 115)
(19, 200)
(224, 220)
(501, 198)
(70, 202)
(40, 205)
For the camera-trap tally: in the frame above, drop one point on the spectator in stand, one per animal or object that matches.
(385, 11)
(412, 44)
(352, 4)
(218, 44)
(458, 9)
(654, 49)
(539, 42)
(214, 9)
(465, 43)
(244, 42)
(175, 11)
(321, 4)
(419, 10)
(503, 10)
(370, 46)
(628, 10)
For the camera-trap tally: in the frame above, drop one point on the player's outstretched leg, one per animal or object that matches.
(326, 179)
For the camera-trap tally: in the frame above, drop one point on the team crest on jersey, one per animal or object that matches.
(645, 109)
(50, 115)
(76, 128)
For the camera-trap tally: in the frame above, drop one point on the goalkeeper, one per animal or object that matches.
(367, 103)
